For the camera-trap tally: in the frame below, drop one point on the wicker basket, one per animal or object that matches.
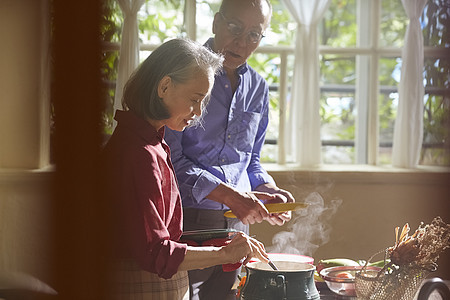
(399, 283)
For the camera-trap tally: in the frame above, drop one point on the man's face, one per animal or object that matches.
(238, 31)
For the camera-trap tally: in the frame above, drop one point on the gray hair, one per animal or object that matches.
(181, 60)
(226, 4)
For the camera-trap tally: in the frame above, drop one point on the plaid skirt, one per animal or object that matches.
(132, 283)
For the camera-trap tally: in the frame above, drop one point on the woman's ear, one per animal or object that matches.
(163, 86)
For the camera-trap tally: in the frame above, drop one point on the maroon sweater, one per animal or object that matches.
(144, 190)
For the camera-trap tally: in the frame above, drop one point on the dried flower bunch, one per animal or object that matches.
(409, 262)
(423, 247)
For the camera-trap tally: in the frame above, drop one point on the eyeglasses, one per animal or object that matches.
(236, 30)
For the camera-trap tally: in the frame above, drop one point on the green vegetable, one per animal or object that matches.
(317, 277)
(335, 262)
(379, 263)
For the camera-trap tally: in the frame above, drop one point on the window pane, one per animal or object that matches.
(160, 21)
(338, 27)
(392, 24)
(111, 32)
(337, 69)
(435, 23)
(436, 135)
(436, 139)
(204, 18)
(143, 54)
(389, 76)
(109, 64)
(436, 147)
(268, 66)
(110, 24)
(387, 109)
(282, 26)
(337, 109)
(338, 127)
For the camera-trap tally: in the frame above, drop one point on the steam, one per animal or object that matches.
(309, 228)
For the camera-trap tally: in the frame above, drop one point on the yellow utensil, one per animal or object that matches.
(274, 208)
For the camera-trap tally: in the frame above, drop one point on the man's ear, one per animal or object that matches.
(163, 86)
(215, 23)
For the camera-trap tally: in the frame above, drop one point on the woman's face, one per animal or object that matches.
(184, 100)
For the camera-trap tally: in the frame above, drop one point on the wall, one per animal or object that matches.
(24, 137)
(24, 216)
(374, 202)
(24, 113)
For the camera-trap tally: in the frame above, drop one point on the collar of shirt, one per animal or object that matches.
(136, 124)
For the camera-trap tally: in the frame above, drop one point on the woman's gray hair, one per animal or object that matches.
(181, 60)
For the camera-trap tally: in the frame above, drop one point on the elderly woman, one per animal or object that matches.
(170, 89)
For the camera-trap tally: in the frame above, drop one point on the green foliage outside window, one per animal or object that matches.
(160, 20)
(437, 75)
(110, 33)
(338, 27)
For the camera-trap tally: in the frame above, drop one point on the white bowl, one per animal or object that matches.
(339, 283)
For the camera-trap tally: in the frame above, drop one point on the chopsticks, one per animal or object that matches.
(272, 265)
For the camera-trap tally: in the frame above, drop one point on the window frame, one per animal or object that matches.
(368, 54)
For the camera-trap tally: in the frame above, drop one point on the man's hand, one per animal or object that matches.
(246, 206)
(249, 206)
(281, 196)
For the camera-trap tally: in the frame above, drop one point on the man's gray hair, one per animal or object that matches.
(226, 3)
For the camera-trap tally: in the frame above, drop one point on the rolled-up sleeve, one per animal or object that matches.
(204, 185)
(168, 258)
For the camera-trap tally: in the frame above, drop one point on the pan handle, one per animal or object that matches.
(431, 285)
(281, 284)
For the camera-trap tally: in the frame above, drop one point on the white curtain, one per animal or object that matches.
(304, 118)
(408, 131)
(129, 46)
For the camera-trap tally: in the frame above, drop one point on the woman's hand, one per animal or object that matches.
(243, 248)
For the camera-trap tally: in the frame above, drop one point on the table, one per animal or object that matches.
(327, 294)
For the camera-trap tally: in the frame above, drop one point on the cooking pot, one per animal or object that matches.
(292, 280)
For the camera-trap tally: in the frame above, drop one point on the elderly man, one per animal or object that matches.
(217, 164)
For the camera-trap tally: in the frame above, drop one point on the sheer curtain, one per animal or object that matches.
(129, 46)
(408, 130)
(304, 118)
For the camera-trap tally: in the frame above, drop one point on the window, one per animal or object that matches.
(360, 61)
(356, 46)
(345, 79)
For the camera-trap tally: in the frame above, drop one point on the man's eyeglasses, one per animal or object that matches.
(236, 30)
